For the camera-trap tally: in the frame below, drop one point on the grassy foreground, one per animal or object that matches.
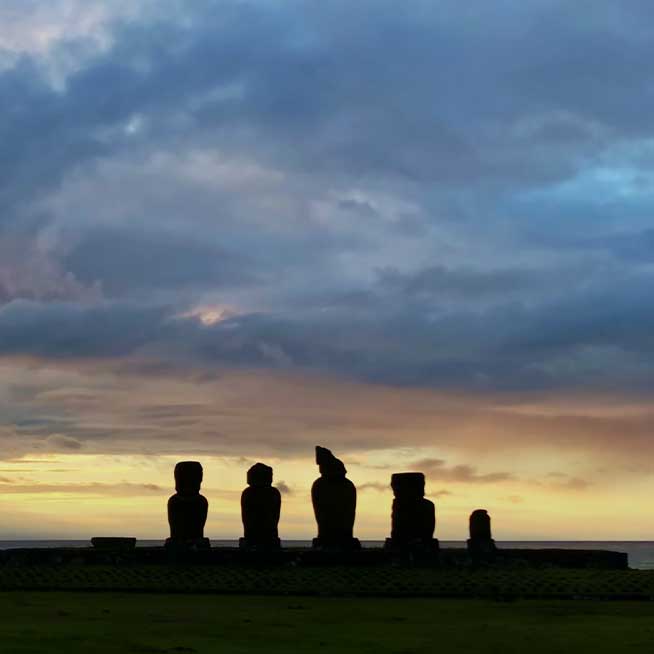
(113, 622)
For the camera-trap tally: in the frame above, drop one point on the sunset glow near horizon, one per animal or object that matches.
(421, 237)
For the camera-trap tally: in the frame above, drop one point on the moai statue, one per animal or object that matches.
(480, 541)
(260, 508)
(334, 500)
(413, 517)
(187, 509)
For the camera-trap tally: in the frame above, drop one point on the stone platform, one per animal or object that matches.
(307, 557)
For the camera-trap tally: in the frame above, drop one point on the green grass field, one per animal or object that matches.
(95, 623)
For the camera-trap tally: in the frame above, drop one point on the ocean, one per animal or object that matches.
(641, 553)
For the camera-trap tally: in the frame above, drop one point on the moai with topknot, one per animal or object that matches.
(187, 509)
(413, 517)
(334, 500)
(481, 540)
(260, 509)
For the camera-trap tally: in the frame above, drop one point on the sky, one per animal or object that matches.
(419, 234)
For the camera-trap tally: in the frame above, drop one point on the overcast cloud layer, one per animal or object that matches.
(430, 195)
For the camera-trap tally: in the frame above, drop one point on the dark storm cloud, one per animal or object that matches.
(617, 314)
(439, 212)
(328, 97)
(70, 330)
(468, 283)
(634, 247)
(598, 337)
(124, 261)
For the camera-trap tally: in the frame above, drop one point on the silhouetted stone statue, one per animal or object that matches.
(334, 500)
(187, 509)
(413, 517)
(480, 541)
(260, 508)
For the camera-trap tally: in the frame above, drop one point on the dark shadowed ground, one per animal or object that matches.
(112, 622)
(511, 582)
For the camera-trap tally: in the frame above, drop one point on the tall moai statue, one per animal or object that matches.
(260, 509)
(334, 500)
(413, 517)
(481, 540)
(187, 509)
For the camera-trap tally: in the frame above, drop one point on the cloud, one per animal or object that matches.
(283, 488)
(345, 102)
(374, 486)
(27, 272)
(63, 442)
(124, 489)
(564, 481)
(124, 262)
(575, 483)
(32, 26)
(466, 283)
(363, 225)
(70, 330)
(437, 470)
(128, 407)
(386, 488)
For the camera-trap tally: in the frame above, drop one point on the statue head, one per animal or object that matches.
(328, 464)
(408, 485)
(188, 477)
(260, 475)
(480, 524)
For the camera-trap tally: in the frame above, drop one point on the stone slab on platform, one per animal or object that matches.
(113, 543)
(566, 558)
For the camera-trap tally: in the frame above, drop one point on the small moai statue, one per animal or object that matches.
(187, 509)
(480, 541)
(334, 500)
(260, 509)
(414, 517)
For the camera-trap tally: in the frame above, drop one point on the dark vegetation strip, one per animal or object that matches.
(551, 583)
